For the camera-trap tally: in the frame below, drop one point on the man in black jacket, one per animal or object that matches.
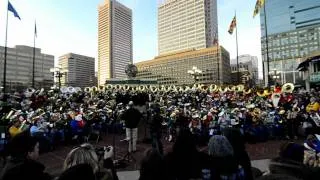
(132, 117)
(155, 129)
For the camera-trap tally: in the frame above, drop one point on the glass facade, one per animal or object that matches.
(287, 15)
(293, 33)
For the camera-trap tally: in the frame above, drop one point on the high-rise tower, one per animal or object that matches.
(186, 24)
(114, 40)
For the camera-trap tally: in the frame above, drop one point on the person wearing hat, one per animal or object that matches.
(313, 105)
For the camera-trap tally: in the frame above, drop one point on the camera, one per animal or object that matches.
(101, 150)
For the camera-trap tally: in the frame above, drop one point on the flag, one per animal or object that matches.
(259, 5)
(11, 8)
(35, 29)
(233, 25)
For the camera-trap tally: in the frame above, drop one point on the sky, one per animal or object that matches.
(65, 26)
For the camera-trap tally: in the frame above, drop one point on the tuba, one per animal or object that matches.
(213, 88)
(287, 88)
(260, 92)
(187, 88)
(117, 87)
(142, 88)
(109, 87)
(231, 88)
(181, 89)
(239, 88)
(77, 89)
(153, 89)
(266, 92)
(204, 88)
(126, 87)
(101, 88)
(64, 90)
(94, 89)
(71, 90)
(87, 89)
(223, 89)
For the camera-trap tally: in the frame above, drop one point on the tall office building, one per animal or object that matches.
(293, 33)
(186, 24)
(114, 40)
(80, 70)
(19, 67)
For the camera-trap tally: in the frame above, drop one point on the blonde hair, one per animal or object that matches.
(85, 154)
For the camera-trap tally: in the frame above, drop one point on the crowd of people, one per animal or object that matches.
(224, 119)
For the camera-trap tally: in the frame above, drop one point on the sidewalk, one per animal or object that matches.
(134, 175)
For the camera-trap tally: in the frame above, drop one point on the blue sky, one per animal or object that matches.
(71, 26)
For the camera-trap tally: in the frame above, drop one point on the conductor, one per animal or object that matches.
(132, 117)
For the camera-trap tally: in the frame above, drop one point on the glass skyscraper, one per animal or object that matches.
(293, 33)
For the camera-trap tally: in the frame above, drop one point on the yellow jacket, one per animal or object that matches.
(313, 107)
(14, 131)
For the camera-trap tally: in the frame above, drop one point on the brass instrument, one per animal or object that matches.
(109, 87)
(247, 91)
(181, 89)
(213, 88)
(223, 89)
(71, 90)
(256, 115)
(187, 88)
(230, 88)
(266, 92)
(77, 89)
(260, 92)
(142, 88)
(87, 89)
(239, 88)
(126, 87)
(204, 88)
(94, 89)
(101, 89)
(117, 87)
(64, 90)
(153, 89)
(287, 88)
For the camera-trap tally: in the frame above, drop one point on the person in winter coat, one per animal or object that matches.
(86, 154)
(237, 141)
(22, 164)
(185, 161)
(224, 164)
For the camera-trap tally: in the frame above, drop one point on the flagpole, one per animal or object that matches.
(5, 57)
(267, 43)
(218, 62)
(238, 75)
(34, 54)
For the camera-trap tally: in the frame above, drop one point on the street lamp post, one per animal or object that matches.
(195, 72)
(59, 72)
(275, 75)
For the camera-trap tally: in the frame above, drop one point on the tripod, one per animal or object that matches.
(129, 157)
